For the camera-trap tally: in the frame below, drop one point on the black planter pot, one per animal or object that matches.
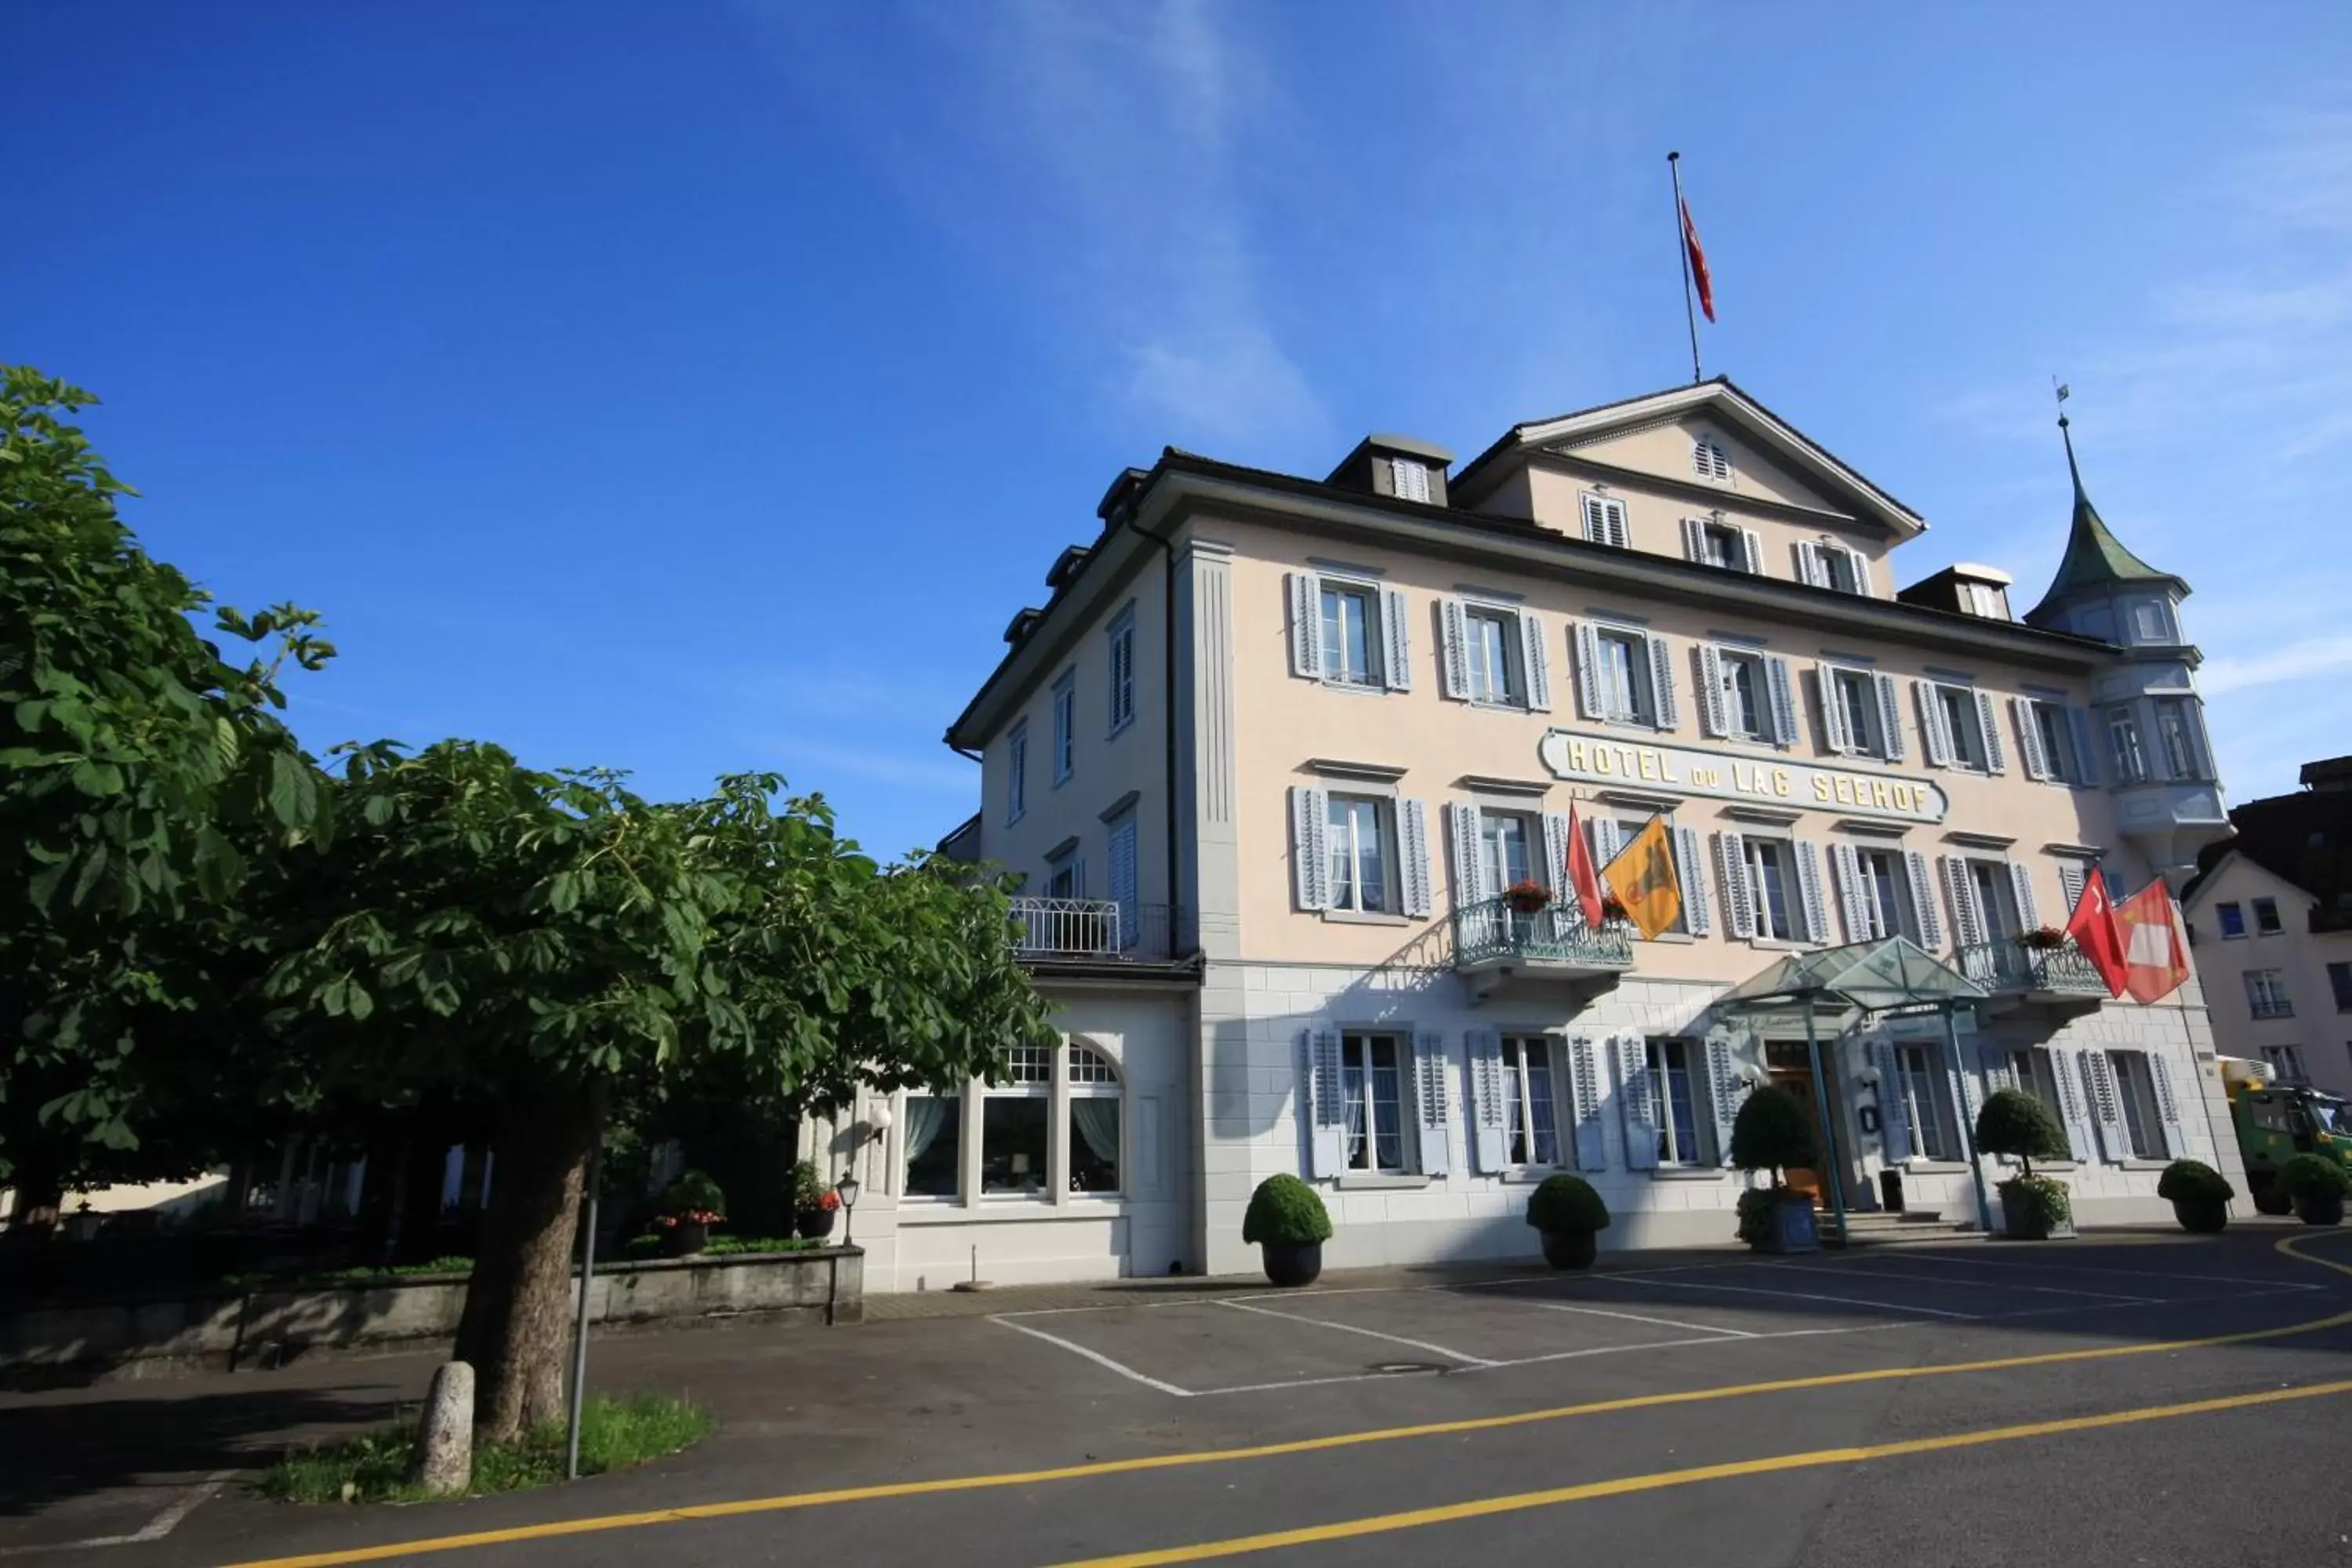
(2203, 1215)
(686, 1238)
(814, 1225)
(1570, 1249)
(2320, 1208)
(1290, 1264)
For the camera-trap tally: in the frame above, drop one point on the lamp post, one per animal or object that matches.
(847, 1189)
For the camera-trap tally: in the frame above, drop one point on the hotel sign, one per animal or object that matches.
(1764, 781)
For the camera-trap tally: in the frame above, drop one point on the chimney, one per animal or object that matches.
(1399, 466)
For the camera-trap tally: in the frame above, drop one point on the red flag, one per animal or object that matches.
(2155, 958)
(1583, 881)
(1699, 264)
(2093, 927)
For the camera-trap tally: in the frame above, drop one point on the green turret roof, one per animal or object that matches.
(2096, 559)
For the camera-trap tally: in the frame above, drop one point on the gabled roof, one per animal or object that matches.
(1722, 398)
(2096, 559)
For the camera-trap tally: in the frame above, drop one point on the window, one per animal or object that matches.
(2037, 1075)
(2136, 1095)
(1957, 706)
(2286, 1061)
(1723, 545)
(1530, 1112)
(1624, 677)
(2150, 621)
(1016, 771)
(2339, 979)
(1411, 478)
(1772, 882)
(1359, 858)
(1351, 643)
(1827, 565)
(1842, 572)
(1371, 1072)
(2056, 739)
(1927, 1095)
(1122, 672)
(2177, 729)
(1503, 849)
(2266, 994)
(1094, 1123)
(1708, 459)
(934, 1144)
(1883, 898)
(2266, 916)
(1684, 1136)
(1984, 599)
(2233, 919)
(1746, 715)
(1065, 724)
(1491, 656)
(1015, 1118)
(1856, 711)
(1605, 523)
(1996, 898)
(2123, 734)
(1065, 879)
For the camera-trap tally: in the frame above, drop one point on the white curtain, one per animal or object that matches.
(926, 1115)
(1097, 1119)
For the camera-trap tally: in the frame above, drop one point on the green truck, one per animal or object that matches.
(2276, 1121)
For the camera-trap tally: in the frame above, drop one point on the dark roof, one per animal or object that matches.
(2095, 559)
(2306, 837)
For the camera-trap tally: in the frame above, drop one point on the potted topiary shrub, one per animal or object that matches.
(1287, 1223)
(1572, 1216)
(814, 1202)
(2199, 1193)
(2013, 1122)
(690, 1207)
(1772, 1133)
(2317, 1185)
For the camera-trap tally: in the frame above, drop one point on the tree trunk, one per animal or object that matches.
(416, 1223)
(380, 1185)
(514, 1327)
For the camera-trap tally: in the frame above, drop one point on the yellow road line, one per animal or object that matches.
(985, 1482)
(1451, 1513)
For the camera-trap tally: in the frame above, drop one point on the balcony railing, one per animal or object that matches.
(1491, 931)
(2009, 967)
(1096, 929)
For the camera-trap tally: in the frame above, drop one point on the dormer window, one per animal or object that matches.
(1827, 565)
(1712, 542)
(1709, 461)
(1411, 478)
(1604, 521)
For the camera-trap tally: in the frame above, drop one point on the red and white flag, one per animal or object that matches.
(1699, 273)
(2155, 959)
(2093, 926)
(1583, 880)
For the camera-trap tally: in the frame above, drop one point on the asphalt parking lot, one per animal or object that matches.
(2112, 1400)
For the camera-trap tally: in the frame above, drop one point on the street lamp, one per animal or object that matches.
(847, 1189)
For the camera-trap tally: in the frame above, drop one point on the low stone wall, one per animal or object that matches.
(148, 1335)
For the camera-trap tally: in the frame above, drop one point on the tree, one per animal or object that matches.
(2017, 1124)
(139, 771)
(1771, 1132)
(551, 944)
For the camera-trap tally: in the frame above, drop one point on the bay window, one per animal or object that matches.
(1054, 1122)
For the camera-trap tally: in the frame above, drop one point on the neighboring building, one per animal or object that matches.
(1272, 751)
(2270, 919)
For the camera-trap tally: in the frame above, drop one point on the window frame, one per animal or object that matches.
(2136, 1106)
(2176, 733)
(2339, 980)
(951, 1126)
(2057, 735)
(1735, 542)
(2230, 912)
(1494, 828)
(1121, 659)
(1112, 1087)
(1784, 874)
(1703, 1155)
(2267, 995)
(1383, 813)
(1615, 522)
(1897, 883)
(1764, 729)
(1400, 1047)
(2124, 745)
(1995, 890)
(1709, 461)
(1964, 724)
(2292, 1069)
(1936, 1084)
(2266, 916)
(2033, 1067)
(1523, 1056)
(1340, 590)
(1510, 639)
(1016, 768)
(1065, 726)
(1642, 699)
(1869, 738)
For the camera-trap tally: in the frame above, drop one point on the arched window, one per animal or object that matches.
(1708, 459)
(1096, 1122)
(1016, 1125)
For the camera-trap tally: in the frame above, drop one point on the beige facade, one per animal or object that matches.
(1365, 704)
(2274, 997)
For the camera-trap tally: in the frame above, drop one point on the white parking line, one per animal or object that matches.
(1368, 1334)
(1979, 1285)
(1786, 1295)
(156, 1529)
(1097, 1357)
(2096, 1269)
(1157, 1303)
(1637, 1317)
(1347, 1377)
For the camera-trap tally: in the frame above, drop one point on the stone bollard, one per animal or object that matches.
(444, 1433)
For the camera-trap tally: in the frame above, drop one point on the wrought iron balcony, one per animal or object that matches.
(2009, 968)
(1097, 931)
(1491, 934)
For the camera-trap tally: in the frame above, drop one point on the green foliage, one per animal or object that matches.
(1758, 1224)
(639, 1247)
(2018, 1124)
(1566, 1202)
(1771, 1132)
(2193, 1181)
(693, 1190)
(2043, 1200)
(809, 1185)
(1285, 1209)
(375, 1465)
(2314, 1176)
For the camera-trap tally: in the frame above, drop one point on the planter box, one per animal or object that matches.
(2018, 1225)
(1792, 1228)
(153, 1335)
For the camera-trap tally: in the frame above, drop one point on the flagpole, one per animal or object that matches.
(1682, 248)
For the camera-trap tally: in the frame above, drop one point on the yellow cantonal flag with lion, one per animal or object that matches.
(1643, 877)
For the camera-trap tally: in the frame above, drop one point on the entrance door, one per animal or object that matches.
(1790, 1067)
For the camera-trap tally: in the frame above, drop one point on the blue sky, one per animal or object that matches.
(696, 388)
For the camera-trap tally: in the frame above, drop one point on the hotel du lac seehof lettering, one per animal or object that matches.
(1609, 760)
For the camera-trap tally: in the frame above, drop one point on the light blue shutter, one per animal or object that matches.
(1808, 893)
(1662, 685)
(1854, 899)
(1636, 1101)
(1538, 659)
(1454, 656)
(1489, 1146)
(1554, 852)
(1784, 701)
(1469, 864)
(2021, 883)
(1935, 732)
(2106, 1115)
(1988, 726)
(1589, 1087)
(1428, 1079)
(1723, 1093)
(1310, 847)
(1998, 1074)
(1321, 1103)
(2029, 739)
(2073, 1101)
(1712, 719)
(1752, 551)
(2167, 1109)
(1810, 567)
(1738, 903)
(1693, 539)
(1923, 899)
(2071, 877)
(1608, 840)
(1890, 717)
(1122, 878)
(1834, 733)
(1307, 624)
(1413, 850)
(1690, 871)
(1968, 921)
(1589, 702)
(1894, 1122)
(1394, 623)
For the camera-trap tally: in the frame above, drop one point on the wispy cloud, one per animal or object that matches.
(2296, 661)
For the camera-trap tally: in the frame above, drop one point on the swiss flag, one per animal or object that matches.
(1699, 274)
(2093, 927)
(2155, 959)
(1583, 881)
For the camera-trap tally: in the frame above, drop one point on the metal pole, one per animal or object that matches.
(1829, 1129)
(1682, 248)
(580, 1325)
(1968, 1121)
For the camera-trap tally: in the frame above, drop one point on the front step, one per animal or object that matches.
(1873, 1225)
